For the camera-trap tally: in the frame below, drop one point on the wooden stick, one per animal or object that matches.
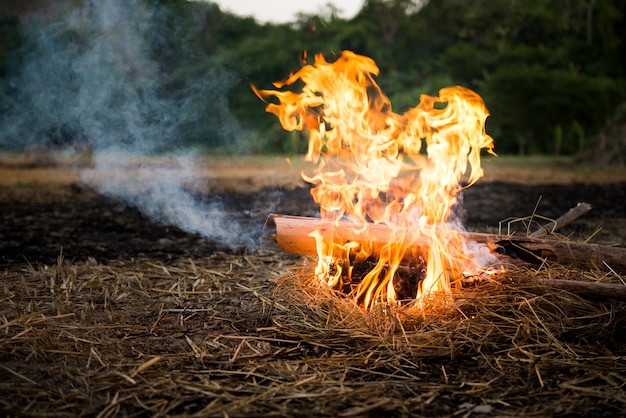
(292, 234)
(570, 216)
(589, 290)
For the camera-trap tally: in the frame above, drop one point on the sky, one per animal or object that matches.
(282, 11)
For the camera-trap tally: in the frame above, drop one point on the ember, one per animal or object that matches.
(376, 167)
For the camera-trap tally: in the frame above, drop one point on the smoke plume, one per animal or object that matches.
(88, 78)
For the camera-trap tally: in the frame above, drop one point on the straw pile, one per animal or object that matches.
(234, 335)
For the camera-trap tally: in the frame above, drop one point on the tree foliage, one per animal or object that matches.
(550, 71)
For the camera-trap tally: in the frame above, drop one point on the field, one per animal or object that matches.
(106, 313)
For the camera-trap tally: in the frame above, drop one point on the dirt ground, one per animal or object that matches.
(96, 297)
(46, 209)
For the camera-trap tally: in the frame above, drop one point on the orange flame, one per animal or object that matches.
(374, 166)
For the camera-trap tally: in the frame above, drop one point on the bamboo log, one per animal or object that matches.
(566, 219)
(292, 234)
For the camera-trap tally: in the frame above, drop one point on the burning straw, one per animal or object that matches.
(387, 183)
(255, 335)
(516, 333)
(378, 168)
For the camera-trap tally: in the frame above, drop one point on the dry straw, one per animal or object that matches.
(257, 336)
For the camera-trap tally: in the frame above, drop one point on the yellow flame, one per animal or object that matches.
(374, 166)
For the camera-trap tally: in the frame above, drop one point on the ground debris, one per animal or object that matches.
(258, 336)
(104, 313)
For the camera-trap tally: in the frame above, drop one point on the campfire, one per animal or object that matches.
(387, 184)
(388, 180)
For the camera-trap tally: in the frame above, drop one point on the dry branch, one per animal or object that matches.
(566, 219)
(589, 290)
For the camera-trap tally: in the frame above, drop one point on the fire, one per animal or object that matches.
(374, 167)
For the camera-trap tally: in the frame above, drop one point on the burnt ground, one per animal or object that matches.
(38, 223)
(141, 318)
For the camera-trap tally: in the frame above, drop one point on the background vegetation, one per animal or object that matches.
(551, 72)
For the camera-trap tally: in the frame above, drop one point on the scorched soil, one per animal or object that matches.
(37, 223)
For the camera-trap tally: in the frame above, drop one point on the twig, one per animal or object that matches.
(570, 216)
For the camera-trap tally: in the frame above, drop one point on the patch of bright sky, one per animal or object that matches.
(284, 11)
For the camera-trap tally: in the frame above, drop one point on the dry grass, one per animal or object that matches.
(534, 170)
(249, 173)
(255, 336)
(234, 335)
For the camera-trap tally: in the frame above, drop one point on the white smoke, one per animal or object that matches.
(480, 254)
(88, 75)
